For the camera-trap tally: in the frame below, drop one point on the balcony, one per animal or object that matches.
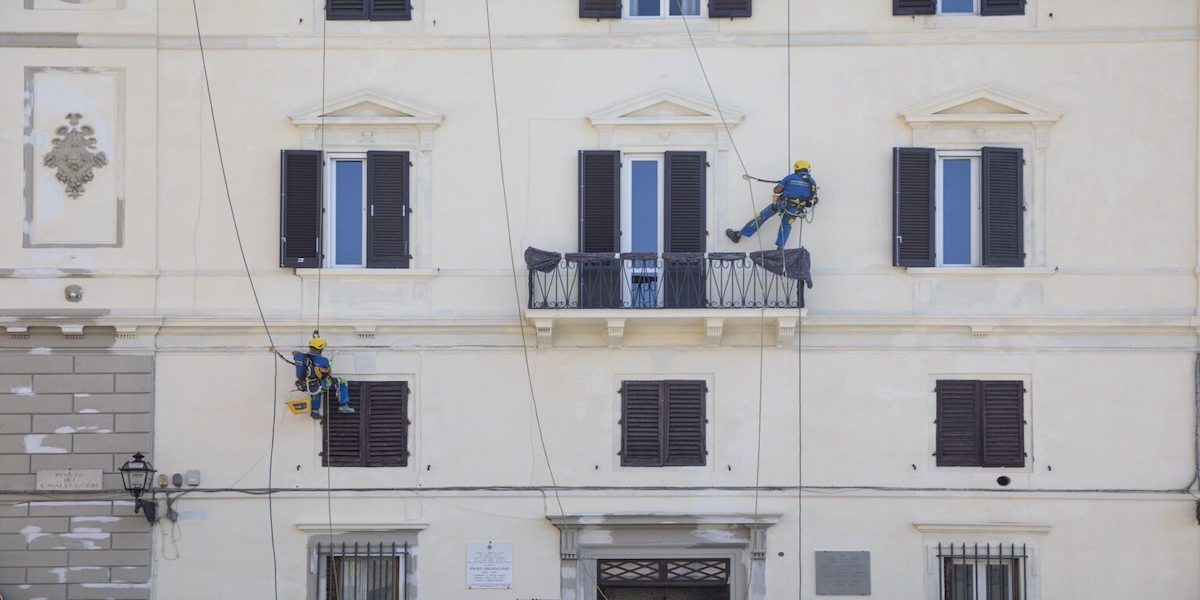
(721, 280)
(604, 286)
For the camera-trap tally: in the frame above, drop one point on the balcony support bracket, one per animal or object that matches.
(545, 332)
(616, 332)
(713, 329)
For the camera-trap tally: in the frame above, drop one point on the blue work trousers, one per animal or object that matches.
(785, 223)
(335, 385)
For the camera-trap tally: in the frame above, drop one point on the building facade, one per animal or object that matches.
(988, 392)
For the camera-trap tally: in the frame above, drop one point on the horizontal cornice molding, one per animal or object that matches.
(606, 39)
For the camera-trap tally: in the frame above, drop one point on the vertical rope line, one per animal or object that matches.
(762, 315)
(799, 345)
(324, 238)
(253, 290)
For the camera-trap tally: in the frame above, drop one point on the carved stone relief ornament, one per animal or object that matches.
(74, 155)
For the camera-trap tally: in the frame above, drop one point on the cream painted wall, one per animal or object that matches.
(1101, 328)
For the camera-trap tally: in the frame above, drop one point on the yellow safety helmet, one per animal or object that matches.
(802, 165)
(317, 343)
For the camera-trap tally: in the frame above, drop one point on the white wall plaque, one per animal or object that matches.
(69, 479)
(489, 565)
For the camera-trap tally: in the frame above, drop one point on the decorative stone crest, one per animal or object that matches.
(74, 155)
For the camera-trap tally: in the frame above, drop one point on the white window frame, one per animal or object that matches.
(664, 11)
(323, 575)
(974, 11)
(980, 582)
(976, 157)
(627, 161)
(330, 217)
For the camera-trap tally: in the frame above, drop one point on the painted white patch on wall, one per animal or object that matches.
(41, 350)
(117, 586)
(33, 445)
(22, 391)
(81, 429)
(32, 532)
(193, 515)
(95, 519)
(60, 573)
(87, 411)
(86, 533)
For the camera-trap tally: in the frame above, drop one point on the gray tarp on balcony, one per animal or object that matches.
(793, 263)
(541, 260)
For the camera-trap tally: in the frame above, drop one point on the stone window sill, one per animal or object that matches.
(981, 271)
(357, 273)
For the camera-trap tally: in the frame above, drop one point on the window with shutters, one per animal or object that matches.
(368, 10)
(376, 434)
(663, 423)
(660, 9)
(959, 7)
(958, 208)
(980, 423)
(358, 219)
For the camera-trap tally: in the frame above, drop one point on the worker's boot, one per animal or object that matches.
(345, 409)
(734, 235)
(315, 414)
(779, 248)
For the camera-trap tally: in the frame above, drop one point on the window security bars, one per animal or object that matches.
(362, 571)
(668, 572)
(983, 572)
(651, 281)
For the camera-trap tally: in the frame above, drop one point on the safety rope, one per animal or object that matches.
(257, 303)
(754, 207)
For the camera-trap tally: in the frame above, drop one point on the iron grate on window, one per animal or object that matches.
(983, 571)
(663, 571)
(362, 571)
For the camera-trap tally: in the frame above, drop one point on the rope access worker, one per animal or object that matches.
(793, 196)
(314, 375)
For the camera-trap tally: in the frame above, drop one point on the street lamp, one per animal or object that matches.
(138, 477)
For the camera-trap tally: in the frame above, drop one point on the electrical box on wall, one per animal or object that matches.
(192, 477)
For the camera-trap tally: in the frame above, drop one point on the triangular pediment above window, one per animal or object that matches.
(666, 107)
(367, 108)
(980, 105)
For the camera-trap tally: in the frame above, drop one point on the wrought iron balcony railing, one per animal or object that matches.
(771, 279)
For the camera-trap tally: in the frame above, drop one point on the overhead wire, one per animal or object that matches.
(516, 280)
(253, 290)
(762, 320)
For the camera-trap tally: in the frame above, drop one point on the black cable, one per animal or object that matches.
(271, 480)
(225, 178)
(117, 494)
(253, 290)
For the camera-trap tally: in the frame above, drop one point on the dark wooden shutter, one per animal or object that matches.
(387, 212)
(343, 440)
(914, 7)
(600, 9)
(346, 10)
(599, 201)
(990, 8)
(958, 423)
(728, 8)
(600, 227)
(1003, 207)
(300, 208)
(913, 207)
(386, 424)
(685, 423)
(391, 10)
(1003, 424)
(685, 204)
(641, 423)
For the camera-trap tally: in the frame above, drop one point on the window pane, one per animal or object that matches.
(644, 8)
(690, 7)
(956, 212)
(348, 213)
(998, 582)
(958, 6)
(962, 582)
(644, 206)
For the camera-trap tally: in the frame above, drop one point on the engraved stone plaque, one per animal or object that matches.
(69, 479)
(489, 566)
(843, 573)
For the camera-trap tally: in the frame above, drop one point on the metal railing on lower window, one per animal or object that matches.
(671, 280)
(362, 571)
(983, 571)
